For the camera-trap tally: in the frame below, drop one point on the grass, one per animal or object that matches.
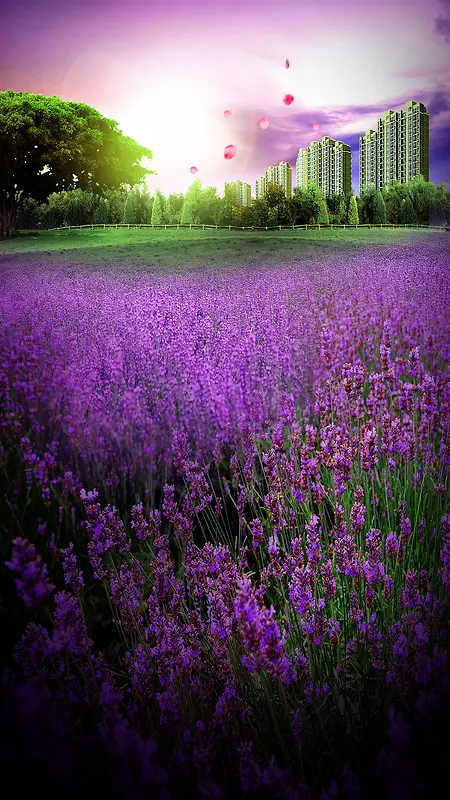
(168, 249)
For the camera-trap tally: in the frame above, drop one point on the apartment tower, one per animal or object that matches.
(280, 175)
(238, 193)
(328, 164)
(400, 147)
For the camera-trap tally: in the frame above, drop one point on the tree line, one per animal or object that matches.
(415, 202)
(63, 163)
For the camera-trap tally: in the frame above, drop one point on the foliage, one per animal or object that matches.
(208, 208)
(274, 195)
(48, 145)
(190, 212)
(174, 207)
(378, 209)
(322, 216)
(353, 216)
(157, 210)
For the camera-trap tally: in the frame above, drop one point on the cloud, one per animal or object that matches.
(438, 102)
(442, 22)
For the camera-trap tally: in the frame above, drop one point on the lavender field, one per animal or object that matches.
(225, 522)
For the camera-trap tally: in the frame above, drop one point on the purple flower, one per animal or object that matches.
(32, 584)
(72, 575)
(391, 545)
(261, 635)
(256, 529)
(70, 634)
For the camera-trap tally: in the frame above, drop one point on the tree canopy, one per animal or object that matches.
(48, 144)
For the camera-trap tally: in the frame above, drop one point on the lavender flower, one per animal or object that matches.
(32, 584)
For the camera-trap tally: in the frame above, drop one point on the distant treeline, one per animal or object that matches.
(415, 202)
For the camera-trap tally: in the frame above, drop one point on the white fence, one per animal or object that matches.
(128, 226)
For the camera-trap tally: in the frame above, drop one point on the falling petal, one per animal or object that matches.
(227, 113)
(194, 170)
(288, 99)
(287, 63)
(264, 123)
(316, 126)
(230, 151)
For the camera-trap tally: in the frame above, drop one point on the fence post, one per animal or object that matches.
(203, 227)
(178, 227)
(190, 227)
(229, 227)
(216, 227)
(165, 227)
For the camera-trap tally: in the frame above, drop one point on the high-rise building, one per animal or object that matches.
(416, 157)
(400, 147)
(260, 187)
(368, 160)
(342, 168)
(238, 193)
(328, 164)
(302, 168)
(285, 177)
(280, 176)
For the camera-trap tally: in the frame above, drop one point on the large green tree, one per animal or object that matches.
(189, 214)
(208, 208)
(353, 217)
(378, 209)
(49, 145)
(322, 215)
(157, 210)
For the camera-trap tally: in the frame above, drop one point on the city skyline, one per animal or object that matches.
(168, 73)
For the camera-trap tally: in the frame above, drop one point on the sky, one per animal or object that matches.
(166, 72)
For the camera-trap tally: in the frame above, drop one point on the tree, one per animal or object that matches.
(313, 197)
(157, 215)
(132, 208)
(342, 211)
(407, 215)
(101, 213)
(260, 213)
(424, 197)
(322, 216)
(393, 195)
(299, 209)
(208, 207)
(115, 199)
(189, 214)
(274, 195)
(174, 207)
(353, 217)
(80, 207)
(226, 212)
(48, 145)
(57, 207)
(379, 208)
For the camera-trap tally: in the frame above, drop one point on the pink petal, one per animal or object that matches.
(227, 113)
(288, 99)
(316, 126)
(287, 63)
(230, 151)
(264, 123)
(194, 170)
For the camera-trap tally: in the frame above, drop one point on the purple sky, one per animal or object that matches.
(166, 71)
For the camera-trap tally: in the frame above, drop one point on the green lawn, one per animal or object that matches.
(180, 249)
